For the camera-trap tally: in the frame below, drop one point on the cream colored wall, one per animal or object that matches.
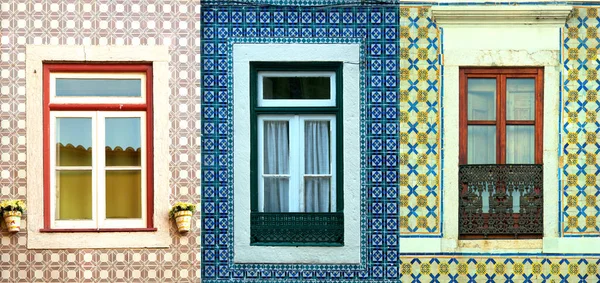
(159, 56)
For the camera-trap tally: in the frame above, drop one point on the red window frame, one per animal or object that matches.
(501, 75)
(147, 107)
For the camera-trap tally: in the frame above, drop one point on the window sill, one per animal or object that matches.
(107, 230)
(512, 245)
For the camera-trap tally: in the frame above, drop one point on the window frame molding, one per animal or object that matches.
(242, 55)
(336, 110)
(156, 236)
(501, 75)
(53, 104)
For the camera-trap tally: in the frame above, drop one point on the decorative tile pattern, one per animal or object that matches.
(580, 127)
(420, 135)
(376, 28)
(102, 22)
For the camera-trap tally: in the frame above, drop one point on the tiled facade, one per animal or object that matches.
(401, 151)
(401, 139)
(66, 22)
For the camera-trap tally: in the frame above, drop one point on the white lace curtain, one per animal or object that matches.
(316, 194)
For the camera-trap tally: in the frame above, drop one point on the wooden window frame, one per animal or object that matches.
(91, 104)
(501, 75)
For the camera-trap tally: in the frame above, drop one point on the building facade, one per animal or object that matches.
(429, 209)
(162, 36)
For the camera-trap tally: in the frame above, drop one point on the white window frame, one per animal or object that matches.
(98, 169)
(348, 53)
(262, 102)
(97, 99)
(296, 176)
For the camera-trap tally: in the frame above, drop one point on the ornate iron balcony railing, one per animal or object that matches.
(296, 229)
(501, 201)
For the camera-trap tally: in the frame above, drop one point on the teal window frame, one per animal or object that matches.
(296, 228)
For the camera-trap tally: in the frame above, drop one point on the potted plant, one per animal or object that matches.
(12, 210)
(182, 213)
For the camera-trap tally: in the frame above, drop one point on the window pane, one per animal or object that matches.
(317, 194)
(482, 145)
(99, 87)
(520, 144)
(74, 141)
(276, 147)
(481, 99)
(124, 194)
(277, 194)
(123, 142)
(73, 195)
(316, 147)
(520, 99)
(296, 87)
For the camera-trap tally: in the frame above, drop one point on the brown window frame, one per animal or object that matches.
(501, 74)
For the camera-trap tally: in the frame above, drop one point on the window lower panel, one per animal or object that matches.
(297, 229)
(501, 201)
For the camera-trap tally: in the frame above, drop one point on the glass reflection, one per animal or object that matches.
(73, 141)
(99, 87)
(520, 99)
(123, 142)
(481, 99)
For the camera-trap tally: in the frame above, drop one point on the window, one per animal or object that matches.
(296, 186)
(98, 147)
(501, 153)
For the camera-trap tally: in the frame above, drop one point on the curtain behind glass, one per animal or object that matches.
(317, 161)
(276, 149)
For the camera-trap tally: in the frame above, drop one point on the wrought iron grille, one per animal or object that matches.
(296, 229)
(500, 201)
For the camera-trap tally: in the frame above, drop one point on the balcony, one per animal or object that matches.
(501, 201)
(297, 229)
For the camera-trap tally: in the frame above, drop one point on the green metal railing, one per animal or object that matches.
(297, 229)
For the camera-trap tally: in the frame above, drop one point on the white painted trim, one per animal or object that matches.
(159, 56)
(97, 99)
(476, 15)
(296, 102)
(531, 46)
(349, 54)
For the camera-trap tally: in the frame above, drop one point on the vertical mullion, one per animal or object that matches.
(98, 174)
(538, 139)
(501, 120)
(260, 164)
(463, 104)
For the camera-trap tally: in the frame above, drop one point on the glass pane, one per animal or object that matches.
(520, 144)
(276, 147)
(296, 87)
(482, 145)
(99, 87)
(73, 195)
(123, 142)
(316, 147)
(317, 194)
(520, 99)
(481, 99)
(124, 194)
(277, 194)
(74, 141)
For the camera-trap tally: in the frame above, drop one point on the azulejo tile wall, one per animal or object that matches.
(580, 126)
(410, 132)
(102, 22)
(420, 127)
(377, 27)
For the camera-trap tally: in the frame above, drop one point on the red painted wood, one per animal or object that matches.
(98, 230)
